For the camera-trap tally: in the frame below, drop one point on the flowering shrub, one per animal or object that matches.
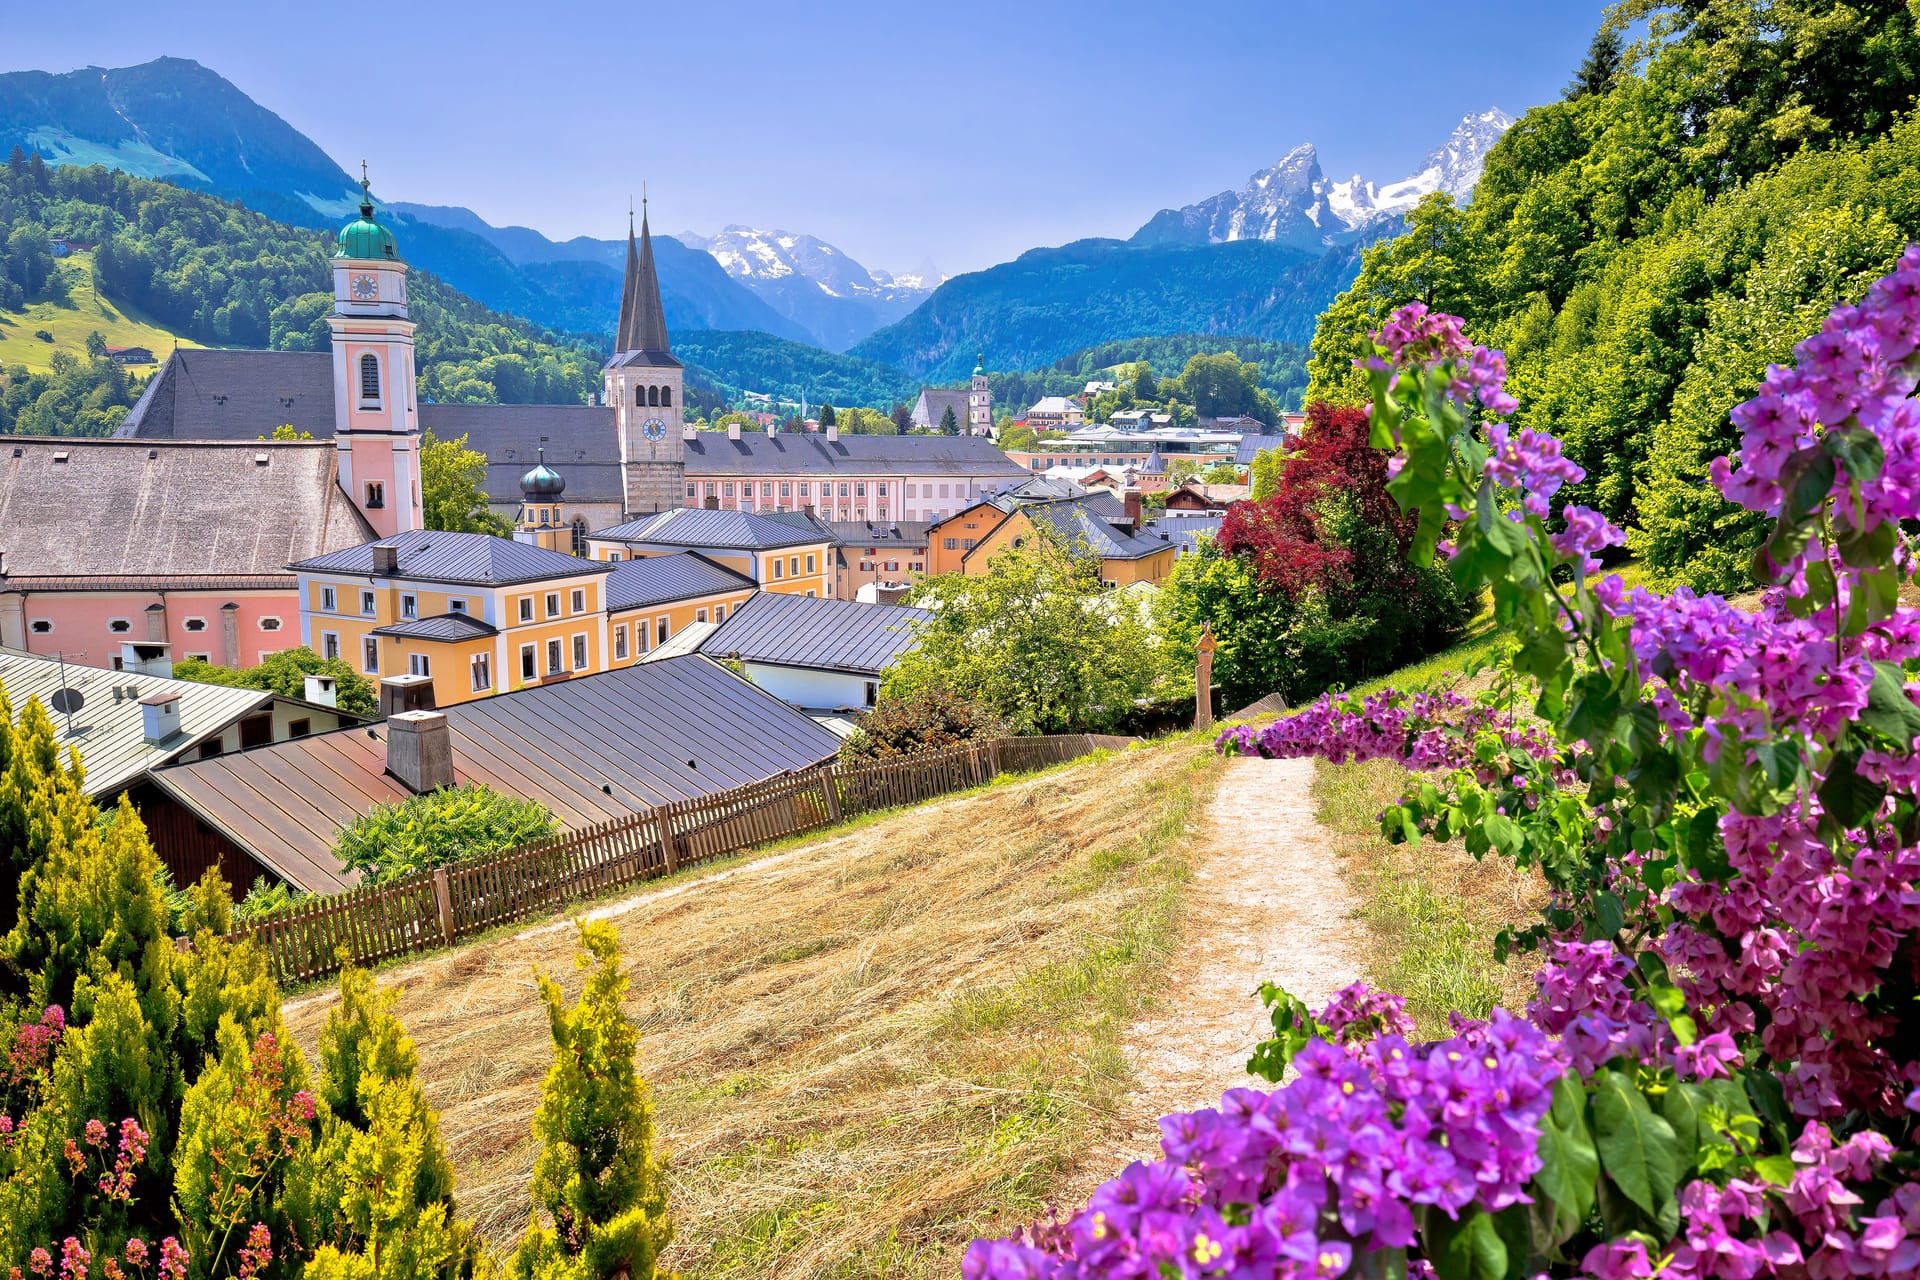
(1718, 1074)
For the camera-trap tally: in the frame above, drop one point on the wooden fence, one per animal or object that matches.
(435, 908)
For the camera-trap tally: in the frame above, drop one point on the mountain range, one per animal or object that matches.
(1259, 262)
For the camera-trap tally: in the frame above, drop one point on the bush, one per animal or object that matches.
(285, 673)
(925, 720)
(452, 824)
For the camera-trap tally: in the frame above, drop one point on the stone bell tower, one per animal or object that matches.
(645, 388)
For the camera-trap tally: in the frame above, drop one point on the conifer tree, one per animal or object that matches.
(595, 1184)
(1606, 55)
(902, 419)
(949, 425)
(827, 416)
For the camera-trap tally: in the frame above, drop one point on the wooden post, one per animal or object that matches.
(667, 847)
(1203, 679)
(443, 898)
(831, 786)
(993, 759)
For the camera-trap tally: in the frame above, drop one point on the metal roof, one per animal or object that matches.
(441, 626)
(718, 530)
(1255, 444)
(109, 731)
(686, 640)
(1183, 531)
(652, 580)
(1076, 521)
(467, 559)
(820, 635)
(756, 453)
(590, 749)
(894, 533)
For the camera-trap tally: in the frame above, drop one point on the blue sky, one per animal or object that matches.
(898, 130)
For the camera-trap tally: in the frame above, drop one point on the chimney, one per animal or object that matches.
(733, 429)
(420, 750)
(687, 432)
(1130, 499)
(148, 658)
(808, 508)
(713, 503)
(833, 432)
(405, 693)
(159, 717)
(322, 691)
(386, 560)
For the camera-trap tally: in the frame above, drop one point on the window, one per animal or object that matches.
(893, 566)
(41, 626)
(873, 692)
(666, 397)
(866, 566)
(203, 657)
(370, 378)
(370, 655)
(376, 495)
(120, 626)
(613, 557)
(793, 566)
(812, 561)
(417, 665)
(766, 488)
(409, 605)
(883, 488)
(967, 544)
(366, 603)
(719, 613)
(579, 539)
(859, 489)
(553, 604)
(639, 397)
(916, 566)
(726, 489)
(803, 488)
(843, 488)
(529, 667)
(266, 624)
(619, 643)
(481, 666)
(951, 544)
(713, 489)
(553, 658)
(691, 491)
(299, 728)
(210, 749)
(809, 593)
(653, 397)
(456, 605)
(580, 653)
(579, 600)
(943, 490)
(329, 644)
(327, 601)
(786, 488)
(526, 608)
(779, 568)
(661, 629)
(699, 615)
(195, 624)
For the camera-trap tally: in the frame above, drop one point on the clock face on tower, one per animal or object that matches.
(366, 288)
(654, 429)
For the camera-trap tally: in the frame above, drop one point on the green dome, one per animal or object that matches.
(365, 238)
(542, 482)
(980, 369)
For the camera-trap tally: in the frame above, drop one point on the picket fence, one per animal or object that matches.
(436, 908)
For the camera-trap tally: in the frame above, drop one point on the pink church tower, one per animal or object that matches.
(375, 425)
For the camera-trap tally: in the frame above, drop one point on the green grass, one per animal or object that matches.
(69, 322)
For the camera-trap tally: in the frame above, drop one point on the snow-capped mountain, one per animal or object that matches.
(1295, 203)
(812, 283)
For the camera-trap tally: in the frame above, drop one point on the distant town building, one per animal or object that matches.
(130, 355)
(1051, 412)
(1092, 523)
(878, 555)
(972, 408)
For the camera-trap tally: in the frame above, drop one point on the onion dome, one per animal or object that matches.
(363, 237)
(980, 365)
(542, 482)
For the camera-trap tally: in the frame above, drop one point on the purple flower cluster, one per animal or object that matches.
(1297, 1182)
(1531, 462)
(1427, 730)
(1357, 1014)
(1416, 337)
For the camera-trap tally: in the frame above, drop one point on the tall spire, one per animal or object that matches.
(643, 324)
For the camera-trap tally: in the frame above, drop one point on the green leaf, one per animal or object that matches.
(1890, 712)
(1468, 1249)
(1636, 1147)
(1857, 449)
(1775, 1169)
(1850, 798)
(1504, 834)
(1681, 1107)
(1867, 549)
(1807, 478)
(1569, 1165)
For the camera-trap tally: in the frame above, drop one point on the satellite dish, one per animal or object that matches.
(68, 701)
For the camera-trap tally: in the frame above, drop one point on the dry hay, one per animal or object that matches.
(863, 1052)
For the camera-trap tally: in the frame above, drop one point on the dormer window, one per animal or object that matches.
(370, 379)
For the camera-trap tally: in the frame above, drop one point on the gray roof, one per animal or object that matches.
(441, 626)
(652, 580)
(466, 559)
(1075, 521)
(234, 395)
(756, 453)
(162, 509)
(718, 530)
(1183, 531)
(1253, 444)
(821, 635)
(640, 338)
(933, 402)
(109, 731)
(872, 533)
(1043, 488)
(648, 734)
(581, 443)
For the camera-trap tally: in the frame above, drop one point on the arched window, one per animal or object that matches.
(639, 397)
(369, 377)
(653, 395)
(579, 535)
(666, 397)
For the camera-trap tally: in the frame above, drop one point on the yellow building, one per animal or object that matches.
(474, 613)
(787, 552)
(967, 541)
(654, 598)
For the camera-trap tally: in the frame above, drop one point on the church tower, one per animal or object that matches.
(375, 426)
(979, 401)
(645, 385)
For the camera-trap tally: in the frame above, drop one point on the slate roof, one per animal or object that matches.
(898, 533)
(1075, 521)
(441, 626)
(109, 731)
(580, 440)
(933, 403)
(820, 635)
(718, 530)
(640, 338)
(755, 453)
(649, 734)
(652, 580)
(156, 509)
(234, 395)
(465, 559)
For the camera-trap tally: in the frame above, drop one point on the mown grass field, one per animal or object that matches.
(84, 311)
(865, 1051)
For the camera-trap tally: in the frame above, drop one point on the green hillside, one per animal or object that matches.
(734, 363)
(75, 310)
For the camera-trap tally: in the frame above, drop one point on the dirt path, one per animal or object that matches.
(1267, 902)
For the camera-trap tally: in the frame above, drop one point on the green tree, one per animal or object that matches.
(440, 827)
(96, 345)
(285, 673)
(1253, 628)
(1036, 640)
(902, 417)
(1145, 389)
(452, 488)
(1606, 57)
(827, 418)
(1018, 437)
(600, 1209)
(1266, 469)
(949, 425)
(287, 431)
(925, 720)
(1221, 473)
